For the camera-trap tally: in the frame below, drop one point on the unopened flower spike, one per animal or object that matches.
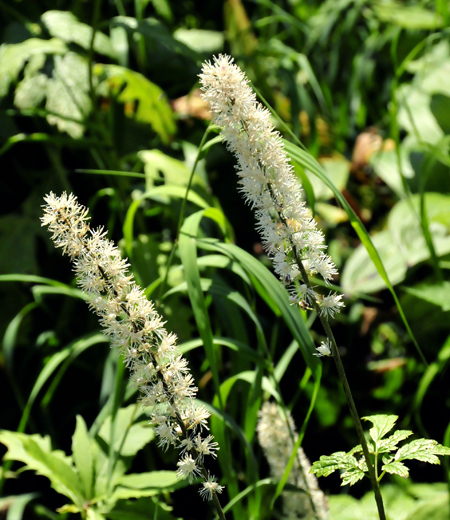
(137, 330)
(289, 232)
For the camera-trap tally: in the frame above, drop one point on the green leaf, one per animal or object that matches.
(82, 456)
(396, 468)
(309, 163)
(13, 57)
(188, 253)
(147, 484)
(152, 105)
(269, 287)
(136, 434)
(435, 293)
(407, 16)
(424, 450)
(390, 444)
(382, 424)
(340, 460)
(15, 505)
(201, 40)
(436, 509)
(37, 455)
(66, 26)
(68, 94)
(141, 509)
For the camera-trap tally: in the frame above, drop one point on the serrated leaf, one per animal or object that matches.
(66, 26)
(67, 94)
(152, 105)
(382, 424)
(329, 463)
(424, 450)
(396, 468)
(82, 456)
(390, 444)
(352, 476)
(36, 453)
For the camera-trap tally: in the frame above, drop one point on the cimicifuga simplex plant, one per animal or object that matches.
(288, 230)
(134, 327)
(277, 438)
(297, 249)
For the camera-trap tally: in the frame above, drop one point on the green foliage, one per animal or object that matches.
(101, 99)
(355, 469)
(84, 477)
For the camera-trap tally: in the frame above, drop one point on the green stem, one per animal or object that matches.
(340, 369)
(348, 394)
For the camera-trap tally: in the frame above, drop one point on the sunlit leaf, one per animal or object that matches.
(151, 107)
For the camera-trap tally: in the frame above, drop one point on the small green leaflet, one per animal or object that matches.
(425, 450)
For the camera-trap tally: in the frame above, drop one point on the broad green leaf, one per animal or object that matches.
(338, 170)
(359, 274)
(13, 57)
(160, 480)
(51, 464)
(65, 356)
(31, 91)
(66, 26)
(160, 194)
(147, 484)
(136, 434)
(68, 94)
(407, 16)
(436, 509)
(82, 456)
(201, 40)
(436, 293)
(422, 449)
(396, 468)
(174, 171)
(382, 424)
(140, 509)
(132, 87)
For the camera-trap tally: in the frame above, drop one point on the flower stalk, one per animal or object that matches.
(136, 329)
(288, 230)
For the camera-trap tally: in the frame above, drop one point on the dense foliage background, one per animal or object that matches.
(101, 99)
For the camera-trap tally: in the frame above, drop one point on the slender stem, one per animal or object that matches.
(340, 369)
(348, 394)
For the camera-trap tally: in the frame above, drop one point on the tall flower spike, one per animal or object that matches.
(266, 181)
(136, 329)
(278, 443)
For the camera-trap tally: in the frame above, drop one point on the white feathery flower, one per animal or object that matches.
(277, 436)
(330, 305)
(187, 468)
(136, 329)
(266, 177)
(324, 349)
(210, 487)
